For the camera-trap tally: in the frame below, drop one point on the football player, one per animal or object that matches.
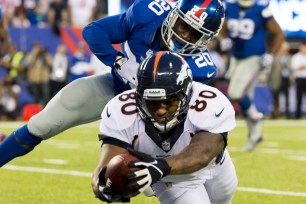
(147, 26)
(183, 126)
(245, 30)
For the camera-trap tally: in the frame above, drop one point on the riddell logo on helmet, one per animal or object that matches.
(154, 93)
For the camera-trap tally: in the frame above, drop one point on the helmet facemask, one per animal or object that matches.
(184, 47)
(154, 100)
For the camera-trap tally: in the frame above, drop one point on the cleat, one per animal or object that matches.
(250, 146)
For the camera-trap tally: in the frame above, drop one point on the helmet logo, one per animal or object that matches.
(154, 93)
(197, 14)
(184, 74)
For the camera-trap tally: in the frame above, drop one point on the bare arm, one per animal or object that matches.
(203, 148)
(277, 36)
(223, 32)
(4, 38)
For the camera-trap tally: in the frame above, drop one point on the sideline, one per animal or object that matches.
(87, 174)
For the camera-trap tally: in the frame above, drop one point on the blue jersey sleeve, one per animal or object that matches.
(101, 34)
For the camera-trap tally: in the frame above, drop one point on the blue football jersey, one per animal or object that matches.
(138, 32)
(247, 27)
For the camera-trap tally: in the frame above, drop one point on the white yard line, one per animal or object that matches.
(297, 158)
(87, 174)
(268, 191)
(271, 151)
(45, 170)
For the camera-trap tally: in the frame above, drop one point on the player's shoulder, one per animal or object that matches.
(264, 8)
(208, 92)
(145, 11)
(120, 112)
(229, 3)
(210, 109)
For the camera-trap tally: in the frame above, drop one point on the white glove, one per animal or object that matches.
(127, 69)
(266, 61)
(226, 44)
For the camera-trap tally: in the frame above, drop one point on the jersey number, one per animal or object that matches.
(203, 60)
(159, 7)
(130, 107)
(243, 29)
(200, 105)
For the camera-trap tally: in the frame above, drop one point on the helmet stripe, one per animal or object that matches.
(202, 8)
(157, 58)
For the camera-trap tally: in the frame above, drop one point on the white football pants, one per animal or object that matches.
(219, 189)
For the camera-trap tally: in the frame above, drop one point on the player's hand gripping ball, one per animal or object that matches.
(116, 174)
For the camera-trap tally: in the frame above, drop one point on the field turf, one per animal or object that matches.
(59, 170)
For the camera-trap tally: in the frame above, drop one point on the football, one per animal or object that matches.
(116, 171)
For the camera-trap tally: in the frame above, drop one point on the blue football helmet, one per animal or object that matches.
(202, 17)
(163, 77)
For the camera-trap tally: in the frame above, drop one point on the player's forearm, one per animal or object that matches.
(202, 149)
(277, 40)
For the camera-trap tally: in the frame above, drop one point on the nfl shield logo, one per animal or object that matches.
(166, 145)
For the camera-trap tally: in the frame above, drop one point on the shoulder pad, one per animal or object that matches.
(210, 110)
(120, 112)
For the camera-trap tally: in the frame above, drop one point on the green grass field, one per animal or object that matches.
(59, 170)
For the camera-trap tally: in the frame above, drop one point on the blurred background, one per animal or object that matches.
(46, 51)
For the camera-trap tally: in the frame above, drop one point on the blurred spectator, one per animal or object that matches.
(280, 78)
(44, 6)
(4, 37)
(9, 94)
(38, 63)
(58, 15)
(81, 11)
(100, 10)
(8, 9)
(37, 17)
(79, 63)
(60, 70)
(299, 67)
(13, 62)
(97, 67)
(20, 20)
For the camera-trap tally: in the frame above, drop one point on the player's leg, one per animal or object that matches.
(195, 194)
(222, 186)
(79, 102)
(241, 88)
